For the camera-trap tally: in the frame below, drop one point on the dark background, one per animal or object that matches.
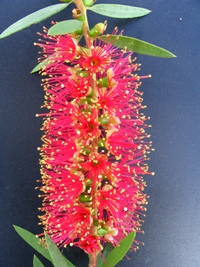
(172, 95)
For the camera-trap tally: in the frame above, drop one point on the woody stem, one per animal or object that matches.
(82, 9)
(89, 43)
(92, 261)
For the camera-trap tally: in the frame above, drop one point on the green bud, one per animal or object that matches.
(103, 82)
(101, 142)
(106, 227)
(88, 183)
(104, 121)
(91, 94)
(101, 231)
(79, 31)
(84, 198)
(96, 223)
(98, 29)
(65, 1)
(86, 151)
(82, 73)
(89, 100)
(88, 3)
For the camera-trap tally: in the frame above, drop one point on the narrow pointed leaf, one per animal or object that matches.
(65, 26)
(33, 241)
(137, 46)
(57, 258)
(108, 248)
(37, 262)
(119, 11)
(33, 18)
(120, 251)
(39, 66)
(42, 64)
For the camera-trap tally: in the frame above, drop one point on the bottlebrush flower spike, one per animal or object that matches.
(95, 145)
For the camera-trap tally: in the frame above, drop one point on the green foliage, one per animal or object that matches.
(42, 64)
(119, 251)
(33, 241)
(37, 262)
(56, 256)
(33, 18)
(119, 11)
(108, 248)
(53, 254)
(65, 26)
(137, 46)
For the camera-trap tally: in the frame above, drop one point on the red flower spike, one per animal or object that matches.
(95, 145)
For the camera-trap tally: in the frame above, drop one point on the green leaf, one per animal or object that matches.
(57, 258)
(119, 11)
(65, 26)
(42, 64)
(37, 262)
(33, 18)
(32, 240)
(108, 248)
(120, 251)
(137, 46)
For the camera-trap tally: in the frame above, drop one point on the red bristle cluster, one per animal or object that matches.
(94, 144)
